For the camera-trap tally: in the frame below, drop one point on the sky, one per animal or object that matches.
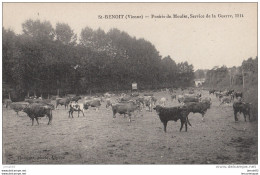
(203, 42)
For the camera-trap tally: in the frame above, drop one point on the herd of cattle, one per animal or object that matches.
(128, 104)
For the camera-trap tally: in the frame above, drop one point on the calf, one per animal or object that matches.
(243, 107)
(198, 107)
(173, 113)
(124, 108)
(76, 107)
(36, 110)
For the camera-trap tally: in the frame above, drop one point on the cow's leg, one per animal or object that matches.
(235, 115)
(244, 116)
(37, 120)
(50, 118)
(83, 112)
(182, 123)
(165, 125)
(202, 116)
(129, 115)
(32, 121)
(78, 112)
(114, 113)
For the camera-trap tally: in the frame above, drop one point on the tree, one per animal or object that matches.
(65, 34)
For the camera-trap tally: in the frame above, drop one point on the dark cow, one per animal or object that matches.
(198, 107)
(79, 107)
(241, 107)
(173, 113)
(124, 108)
(238, 94)
(229, 92)
(212, 91)
(18, 106)
(63, 101)
(36, 110)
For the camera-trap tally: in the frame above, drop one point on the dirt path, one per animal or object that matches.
(97, 138)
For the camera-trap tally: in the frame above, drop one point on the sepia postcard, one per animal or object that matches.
(120, 83)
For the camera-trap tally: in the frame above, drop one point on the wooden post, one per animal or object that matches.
(58, 92)
(9, 95)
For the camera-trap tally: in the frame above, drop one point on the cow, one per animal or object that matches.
(107, 95)
(75, 106)
(63, 101)
(212, 91)
(180, 98)
(18, 106)
(163, 101)
(173, 96)
(92, 103)
(135, 94)
(243, 107)
(108, 102)
(191, 91)
(36, 110)
(198, 107)
(230, 91)
(173, 113)
(124, 108)
(148, 94)
(238, 94)
(225, 100)
(76, 98)
(124, 99)
(149, 102)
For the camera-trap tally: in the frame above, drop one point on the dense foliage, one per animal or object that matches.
(46, 60)
(243, 78)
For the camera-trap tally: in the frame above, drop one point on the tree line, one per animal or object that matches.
(242, 78)
(47, 60)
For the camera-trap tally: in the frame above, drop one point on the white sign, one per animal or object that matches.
(134, 86)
